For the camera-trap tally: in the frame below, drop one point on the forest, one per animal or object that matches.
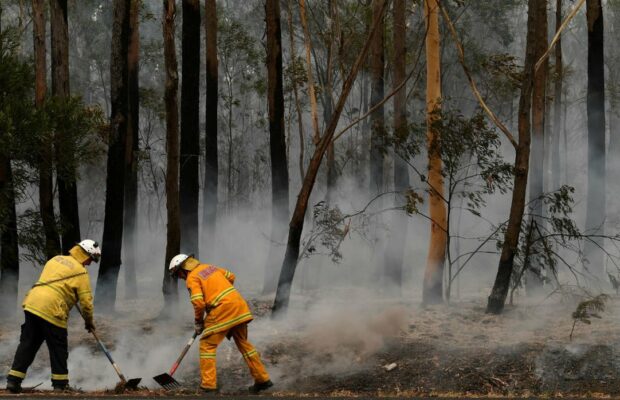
(416, 197)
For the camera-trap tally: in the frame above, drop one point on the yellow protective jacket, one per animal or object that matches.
(211, 290)
(63, 281)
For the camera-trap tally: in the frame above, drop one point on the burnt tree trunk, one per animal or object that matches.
(46, 154)
(132, 147)
(537, 172)
(173, 230)
(9, 251)
(377, 72)
(65, 157)
(501, 286)
(595, 213)
(289, 264)
(277, 141)
(396, 246)
(211, 161)
(190, 129)
(111, 245)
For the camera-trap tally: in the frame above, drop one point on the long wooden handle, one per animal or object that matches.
(183, 353)
(105, 350)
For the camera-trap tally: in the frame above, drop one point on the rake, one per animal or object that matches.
(166, 380)
(130, 384)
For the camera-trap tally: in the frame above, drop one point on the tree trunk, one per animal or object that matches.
(394, 255)
(300, 121)
(296, 224)
(173, 230)
(132, 147)
(9, 251)
(595, 214)
(499, 292)
(277, 141)
(46, 155)
(328, 103)
(433, 275)
(190, 136)
(533, 282)
(65, 157)
(377, 138)
(557, 101)
(311, 94)
(211, 157)
(115, 181)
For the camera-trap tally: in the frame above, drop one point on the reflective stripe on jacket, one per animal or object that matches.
(63, 281)
(211, 290)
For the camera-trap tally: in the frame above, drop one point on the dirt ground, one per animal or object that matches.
(447, 350)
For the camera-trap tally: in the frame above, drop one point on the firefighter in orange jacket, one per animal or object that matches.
(212, 292)
(63, 282)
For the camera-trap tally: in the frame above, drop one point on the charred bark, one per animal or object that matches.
(595, 213)
(173, 227)
(132, 147)
(501, 286)
(190, 130)
(115, 181)
(277, 140)
(65, 157)
(46, 153)
(9, 251)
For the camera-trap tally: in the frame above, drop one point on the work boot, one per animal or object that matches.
(210, 391)
(65, 389)
(258, 387)
(13, 386)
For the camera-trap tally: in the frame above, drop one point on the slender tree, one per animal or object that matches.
(115, 180)
(173, 230)
(394, 259)
(595, 212)
(537, 156)
(289, 264)
(211, 157)
(311, 93)
(377, 72)
(190, 131)
(499, 292)
(46, 184)
(9, 251)
(65, 158)
(557, 101)
(433, 275)
(300, 122)
(132, 147)
(277, 140)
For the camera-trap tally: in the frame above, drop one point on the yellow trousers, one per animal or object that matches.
(208, 347)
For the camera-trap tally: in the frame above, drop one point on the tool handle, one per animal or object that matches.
(183, 353)
(105, 350)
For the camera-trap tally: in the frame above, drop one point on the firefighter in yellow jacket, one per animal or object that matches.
(212, 292)
(63, 282)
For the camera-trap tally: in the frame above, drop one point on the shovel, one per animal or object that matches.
(166, 380)
(130, 384)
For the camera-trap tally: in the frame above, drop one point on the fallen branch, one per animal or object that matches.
(558, 34)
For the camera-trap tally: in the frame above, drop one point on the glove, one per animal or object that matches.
(89, 326)
(198, 327)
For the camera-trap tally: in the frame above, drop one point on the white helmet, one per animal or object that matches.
(91, 248)
(177, 262)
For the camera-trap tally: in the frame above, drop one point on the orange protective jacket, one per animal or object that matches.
(211, 290)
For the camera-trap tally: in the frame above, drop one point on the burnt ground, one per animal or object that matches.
(438, 351)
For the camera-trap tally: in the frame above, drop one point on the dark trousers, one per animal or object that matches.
(35, 330)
